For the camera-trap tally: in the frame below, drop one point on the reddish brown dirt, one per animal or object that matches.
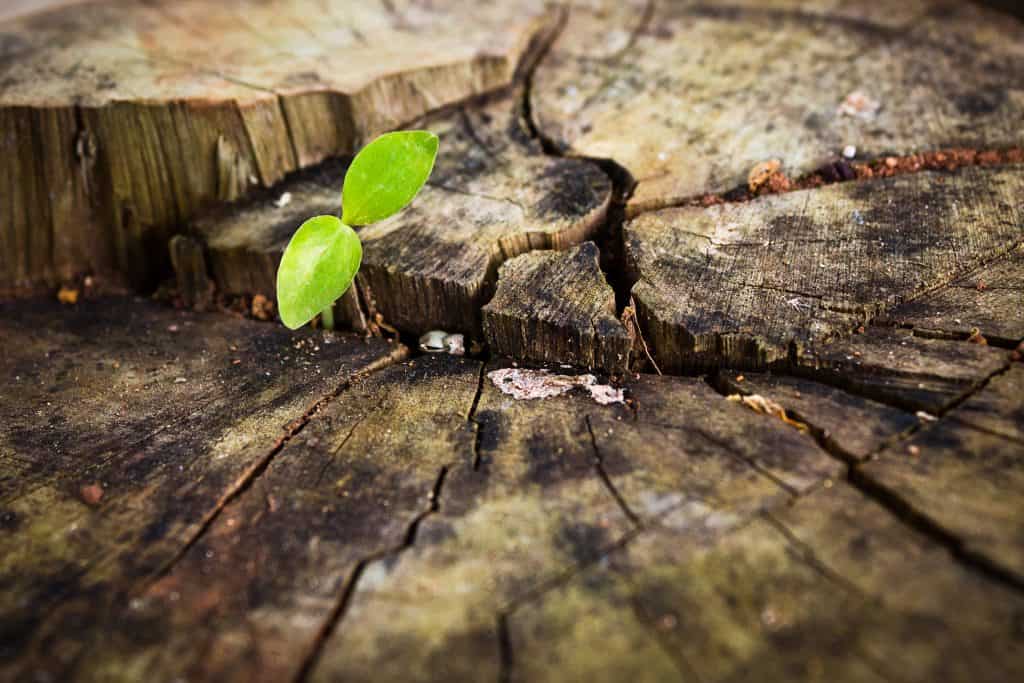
(842, 170)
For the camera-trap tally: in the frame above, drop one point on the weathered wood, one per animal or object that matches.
(188, 496)
(761, 282)
(443, 513)
(188, 259)
(536, 508)
(966, 473)
(492, 195)
(831, 588)
(120, 118)
(896, 367)
(248, 601)
(692, 98)
(989, 301)
(556, 307)
(123, 427)
(853, 426)
(532, 508)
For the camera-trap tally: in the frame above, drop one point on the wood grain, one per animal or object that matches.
(492, 195)
(120, 118)
(690, 99)
(762, 282)
(830, 588)
(125, 427)
(989, 301)
(557, 307)
(965, 471)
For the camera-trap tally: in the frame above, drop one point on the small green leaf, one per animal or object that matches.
(386, 175)
(317, 267)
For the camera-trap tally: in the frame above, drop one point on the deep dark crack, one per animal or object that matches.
(605, 479)
(915, 519)
(337, 614)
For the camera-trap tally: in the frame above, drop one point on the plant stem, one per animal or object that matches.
(327, 317)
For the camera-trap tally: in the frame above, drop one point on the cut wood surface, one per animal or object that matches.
(690, 96)
(119, 118)
(124, 428)
(492, 195)
(557, 307)
(755, 283)
(411, 521)
(899, 368)
(825, 483)
(989, 302)
(853, 426)
(442, 500)
(828, 589)
(967, 473)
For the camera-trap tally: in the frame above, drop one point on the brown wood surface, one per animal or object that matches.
(120, 118)
(762, 282)
(557, 307)
(814, 470)
(690, 96)
(492, 195)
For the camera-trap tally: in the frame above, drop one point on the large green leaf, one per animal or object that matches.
(317, 267)
(386, 175)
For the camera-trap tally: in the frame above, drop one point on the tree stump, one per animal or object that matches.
(121, 118)
(742, 389)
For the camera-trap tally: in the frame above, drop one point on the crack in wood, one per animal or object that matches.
(472, 418)
(897, 505)
(257, 468)
(947, 160)
(605, 479)
(340, 608)
(810, 558)
(506, 658)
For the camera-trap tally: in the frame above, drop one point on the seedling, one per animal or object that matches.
(323, 256)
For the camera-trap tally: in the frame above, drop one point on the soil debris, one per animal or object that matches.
(91, 494)
(761, 174)
(262, 308)
(859, 105)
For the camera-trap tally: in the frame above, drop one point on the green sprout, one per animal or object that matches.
(323, 256)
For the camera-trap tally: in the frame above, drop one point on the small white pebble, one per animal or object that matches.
(849, 151)
(284, 200)
(180, 380)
